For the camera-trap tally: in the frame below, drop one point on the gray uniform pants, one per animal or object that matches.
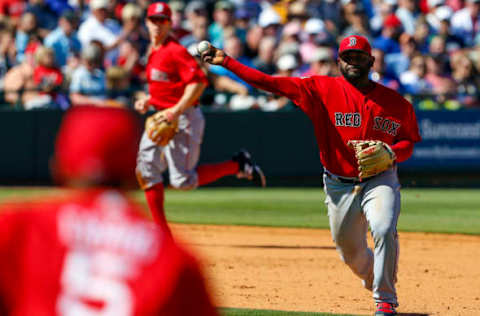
(351, 208)
(180, 155)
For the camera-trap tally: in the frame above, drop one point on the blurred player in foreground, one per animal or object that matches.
(363, 129)
(90, 251)
(176, 82)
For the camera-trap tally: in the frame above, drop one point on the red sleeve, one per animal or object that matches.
(59, 78)
(290, 87)
(188, 67)
(403, 150)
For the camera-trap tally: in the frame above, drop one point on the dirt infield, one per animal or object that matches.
(300, 270)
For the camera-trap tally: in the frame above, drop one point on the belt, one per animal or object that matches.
(347, 180)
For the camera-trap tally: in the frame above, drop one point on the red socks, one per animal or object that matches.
(155, 197)
(208, 173)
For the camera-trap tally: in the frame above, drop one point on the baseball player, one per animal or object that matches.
(90, 251)
(176, 81)
(363, 129)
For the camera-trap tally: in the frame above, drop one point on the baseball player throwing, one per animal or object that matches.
(363, 129)
(176, 81)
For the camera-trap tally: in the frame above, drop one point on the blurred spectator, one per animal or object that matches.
(314, 35)
(64, 41)
(132, 26)
(178, 29)
(18, 84)
(433, 16)
(118, 87)
(398, 63)
(382, 9)
(264, 60)
(26, 33)
(438, 50)
(297, 12)
(88, 84)
(7, 53)
(223, 22)
(11, 11)
(322, 63)
(358, 25)
(441, 83)
(75, 252)
(388, 39)
(422, 34)
(452, 41)
(408, 12)
(193, 10)
(48, 79)
(465, 22)
(413, 80)
(101, 28)
(46, 19)
(467, 81)
(242, 23)
(199, 33)
(378, 72)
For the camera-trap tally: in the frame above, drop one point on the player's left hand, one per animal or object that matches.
(160, 129)
(373, 157)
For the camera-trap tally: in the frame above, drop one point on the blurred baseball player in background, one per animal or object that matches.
(91, 251)
(176, 82)
(363, 129)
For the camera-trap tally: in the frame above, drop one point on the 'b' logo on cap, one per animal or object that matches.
(352, 41)
(159, 7)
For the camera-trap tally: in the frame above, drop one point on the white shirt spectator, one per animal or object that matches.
(107, 32)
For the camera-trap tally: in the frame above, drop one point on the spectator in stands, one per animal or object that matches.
(441, 82)
(381, 11)
(132, 26)
(199, 33)
(314, 35)
(358, 25)
(7, 52)
(11, 11)
(46, 19)
(48, 78)
(223, 22)
(467, 81)
(88, 84)
(432, 16)
(452, 41)
(64, 41)
(422, 35)
(465, 22)
(413, 80)
(388, 39)
(118, 87)
(18, 84)
(178, 29)
(378, 72)
(398, 63)
(264, 59)
(242, 23)
(322, 63)
(26, 33)
(193, 10)
(408, 12)
(98, 26)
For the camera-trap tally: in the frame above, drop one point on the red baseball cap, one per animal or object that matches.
(355, 42)
(159, 9)
(96, 146)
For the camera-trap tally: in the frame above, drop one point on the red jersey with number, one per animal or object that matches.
(341, 112)
(93, 254)
(170, 69)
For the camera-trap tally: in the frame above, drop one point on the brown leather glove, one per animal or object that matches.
(373, 157)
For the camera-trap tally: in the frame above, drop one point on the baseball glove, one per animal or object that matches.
(159, 129)
(373, 157)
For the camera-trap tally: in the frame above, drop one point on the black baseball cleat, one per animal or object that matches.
(248, 169)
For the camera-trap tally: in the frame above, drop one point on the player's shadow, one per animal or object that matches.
(411, 314)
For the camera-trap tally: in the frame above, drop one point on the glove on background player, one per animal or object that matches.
(373, 157)
(160, 129)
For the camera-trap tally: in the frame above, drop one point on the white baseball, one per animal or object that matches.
(203, 46)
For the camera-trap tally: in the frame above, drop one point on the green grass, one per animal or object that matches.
(258, 312)
(423, 210)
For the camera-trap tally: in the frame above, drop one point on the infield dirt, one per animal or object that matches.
(299, 270)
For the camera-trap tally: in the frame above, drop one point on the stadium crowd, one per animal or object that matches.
(61, 53)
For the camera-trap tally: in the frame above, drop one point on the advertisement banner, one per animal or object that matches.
(450, 141)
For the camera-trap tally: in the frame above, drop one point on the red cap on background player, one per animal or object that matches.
(97, 146)
(159, 9)
(355, 42)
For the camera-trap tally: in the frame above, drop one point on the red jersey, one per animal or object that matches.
(341, 112)
(93, 254)
(47, 76)
(170, 68)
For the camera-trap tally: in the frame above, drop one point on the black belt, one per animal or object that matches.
(347, 180)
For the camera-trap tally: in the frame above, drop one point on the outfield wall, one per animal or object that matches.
(282, 142)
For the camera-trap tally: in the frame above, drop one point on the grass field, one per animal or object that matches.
(423, 210)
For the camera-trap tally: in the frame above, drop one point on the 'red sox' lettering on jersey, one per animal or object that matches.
(348, 119)
(386, 125)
